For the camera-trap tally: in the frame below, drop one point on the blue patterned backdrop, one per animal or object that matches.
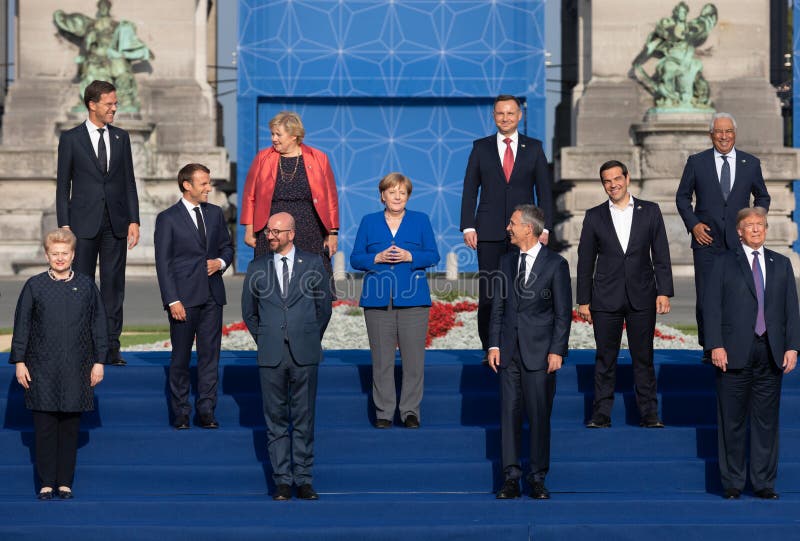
(388, 86)
(795, 7)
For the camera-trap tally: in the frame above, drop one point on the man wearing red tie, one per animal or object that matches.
(505, 168)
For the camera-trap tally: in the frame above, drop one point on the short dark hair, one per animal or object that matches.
(95, 90)
(611, 164)
(187, 173)
(507, 97)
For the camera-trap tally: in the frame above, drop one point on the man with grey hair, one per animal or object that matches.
(752, 327)
(534, 295)
(721, 179)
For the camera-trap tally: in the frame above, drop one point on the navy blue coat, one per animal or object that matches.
(181, 258)
(730, 306)
(498, 198)
(540, 318)
(301, 317)
(404, 283)
(83, 192)
(700, 179)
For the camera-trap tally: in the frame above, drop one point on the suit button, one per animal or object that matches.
(392, 243)
(315, 200)
(391, 267)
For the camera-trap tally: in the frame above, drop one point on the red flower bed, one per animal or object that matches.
(442, 318)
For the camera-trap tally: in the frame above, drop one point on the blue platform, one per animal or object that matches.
(138, 478)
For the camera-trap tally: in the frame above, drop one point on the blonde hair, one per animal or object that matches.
(395, 179)
(59, 236)
(289, 121)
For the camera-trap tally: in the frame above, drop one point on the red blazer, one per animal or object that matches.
(260, 185)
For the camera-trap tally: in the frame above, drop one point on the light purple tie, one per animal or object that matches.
(758, 278)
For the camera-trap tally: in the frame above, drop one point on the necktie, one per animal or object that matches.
(523, 257)
(285, 280)
(200, 225)
(758, 278)
(102, 155)
(508, 159)
(725, 178)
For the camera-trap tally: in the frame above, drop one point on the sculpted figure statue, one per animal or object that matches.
(108, 50)
(677, 81)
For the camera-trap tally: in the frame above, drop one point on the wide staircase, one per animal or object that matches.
(138, 478)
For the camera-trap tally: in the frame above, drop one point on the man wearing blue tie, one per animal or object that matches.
(721, 179)
(752, 327)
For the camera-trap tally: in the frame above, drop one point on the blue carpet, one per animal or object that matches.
(138, 478)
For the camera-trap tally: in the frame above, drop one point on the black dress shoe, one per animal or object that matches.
(64, 494)
(181, 422)
(509, 491)
(282, 493)
(208, 421)
(45, 495)
(766, 494)
(599, 421)
(411, 421)
(732, 494)
(651, 421)
(383, 423)
(306, 492)
(539, 492)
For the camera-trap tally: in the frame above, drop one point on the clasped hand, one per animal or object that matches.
(393, 254)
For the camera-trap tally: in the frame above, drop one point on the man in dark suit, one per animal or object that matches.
(193, 248)
(752, 327)
(528, 339)
(96, 198)
(506, 168)
(286, 305)
(721, 179)
(624, 278)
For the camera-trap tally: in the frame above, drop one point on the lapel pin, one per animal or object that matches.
(299, 260)
(116, 136)
(744, 161)
(639, 207)
(523, 146)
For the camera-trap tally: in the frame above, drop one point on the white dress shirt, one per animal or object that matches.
(190, 209)
(622, 218)
(501, 144)
(278, 258)
(94, 135)
(748, 251)
(530, 259)
(731, 162)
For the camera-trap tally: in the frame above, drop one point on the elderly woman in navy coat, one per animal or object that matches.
(60, 342)
(394, 247)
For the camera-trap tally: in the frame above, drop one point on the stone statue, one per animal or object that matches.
(677, 83)
(108, 50)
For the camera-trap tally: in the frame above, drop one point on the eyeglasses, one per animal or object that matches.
(752, 227)
(276, 232)
(718, 133)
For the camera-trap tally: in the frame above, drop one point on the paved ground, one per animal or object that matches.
(143, 302)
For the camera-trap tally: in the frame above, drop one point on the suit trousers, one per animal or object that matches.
(640, 327)
(56, 440)
(489, 281)
(755, 392)
(203, 323)
(289, 394)
(531, 392)
(703, 264)
(386, 329)
(113, 252)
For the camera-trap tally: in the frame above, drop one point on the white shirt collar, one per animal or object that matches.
(91, 127)
(611, 204)
(189, 205)
(533, 252)
(290, 257)
(731, 154)
(514, 137)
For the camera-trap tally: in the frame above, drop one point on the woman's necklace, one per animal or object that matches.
(284, 174)
(57, 279)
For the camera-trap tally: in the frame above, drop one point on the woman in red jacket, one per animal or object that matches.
(295, 178)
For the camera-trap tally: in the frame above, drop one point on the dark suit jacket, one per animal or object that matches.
(607, 275)
(83, 192)
(497, 197)
(181, 257)
(543, 313)
(730, 306)
(700, 178)
(302, 317)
